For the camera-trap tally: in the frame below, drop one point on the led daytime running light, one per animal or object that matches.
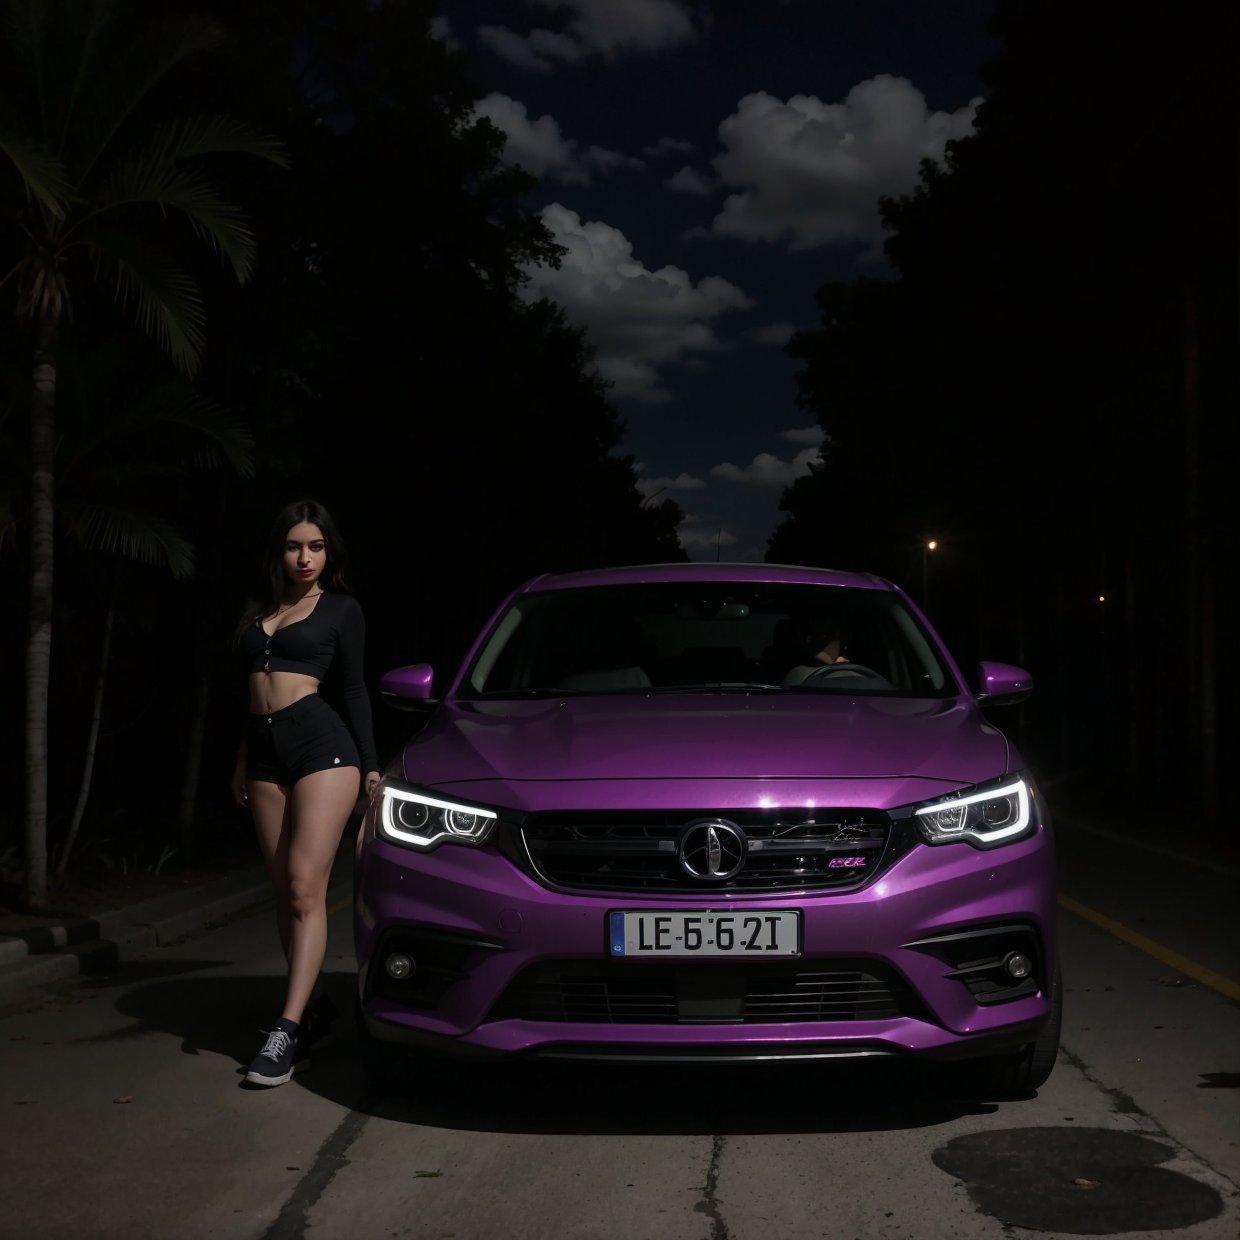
(1017, 788)
(440, 826)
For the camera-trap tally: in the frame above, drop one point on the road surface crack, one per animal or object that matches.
(709, 1205)
(333, 1154)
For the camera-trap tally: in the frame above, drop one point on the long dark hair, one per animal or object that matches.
(271, 581)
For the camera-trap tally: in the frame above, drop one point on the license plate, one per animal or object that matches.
(669, 934)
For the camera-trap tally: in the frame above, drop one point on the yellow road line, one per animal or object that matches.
(339, 905)
(1165, 955)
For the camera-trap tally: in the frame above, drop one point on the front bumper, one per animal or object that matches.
(484, 924)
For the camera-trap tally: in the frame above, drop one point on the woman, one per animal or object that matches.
(301, 765)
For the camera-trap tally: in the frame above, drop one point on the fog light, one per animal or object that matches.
(1017, 964)
(399, 966)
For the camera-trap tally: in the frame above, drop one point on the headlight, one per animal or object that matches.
(415, 820)
(983, 816)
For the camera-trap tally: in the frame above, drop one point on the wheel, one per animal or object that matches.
(1018, 1075)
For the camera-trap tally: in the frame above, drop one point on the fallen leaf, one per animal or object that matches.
(1082, 1182)
(427, 1175)
(124, 1098)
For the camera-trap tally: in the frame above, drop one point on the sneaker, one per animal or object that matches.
(278, 1059)
(317, 1021)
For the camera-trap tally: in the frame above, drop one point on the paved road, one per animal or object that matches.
(122, 1115)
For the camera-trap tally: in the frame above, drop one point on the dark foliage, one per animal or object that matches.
(1047, 385)
(385, 362)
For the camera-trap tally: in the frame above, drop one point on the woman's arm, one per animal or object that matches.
(354, 700)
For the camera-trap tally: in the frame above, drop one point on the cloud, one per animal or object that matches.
(595, 28)
(804, 434)
(701, 533)
(667, 146)
(441, 29)
(651, 487)
(539, 50)
(609, 161)
(776, 333)
(811, 173)
(638, 320)
(768, 470)
(688, 181)
(539, 146)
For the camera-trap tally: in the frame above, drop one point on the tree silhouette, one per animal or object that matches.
(1042, 384)
(94, 184)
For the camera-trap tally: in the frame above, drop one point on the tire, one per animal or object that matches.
(1021, 1074)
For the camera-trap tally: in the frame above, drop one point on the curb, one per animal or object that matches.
(42, 939)
(92, 944)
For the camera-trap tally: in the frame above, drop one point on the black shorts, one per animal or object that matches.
(303, 738)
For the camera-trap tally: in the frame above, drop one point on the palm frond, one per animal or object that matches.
(222, 135)
(164, 44)
(131, 533)
(221, 224)
(160, 295)
(177, 425)
(41, 174)
(210, 436)
(92, 36)
(156, 175)
(92, 478)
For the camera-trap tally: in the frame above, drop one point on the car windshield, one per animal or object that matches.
(689, 636)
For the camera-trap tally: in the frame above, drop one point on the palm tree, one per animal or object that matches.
(101, 191)
(124, 467)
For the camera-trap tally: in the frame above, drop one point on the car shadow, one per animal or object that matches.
(222, 1016)
(535, 1096)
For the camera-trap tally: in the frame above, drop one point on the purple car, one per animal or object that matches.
(705, 812)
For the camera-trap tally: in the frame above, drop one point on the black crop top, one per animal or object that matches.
(327, 645)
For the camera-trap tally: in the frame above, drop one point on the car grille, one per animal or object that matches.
(839, 990)
(810, 850)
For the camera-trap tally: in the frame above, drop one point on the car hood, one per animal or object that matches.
(706, 736)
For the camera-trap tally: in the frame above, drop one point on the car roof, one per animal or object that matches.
(712, 572)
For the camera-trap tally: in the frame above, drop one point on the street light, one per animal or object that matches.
(926, 547)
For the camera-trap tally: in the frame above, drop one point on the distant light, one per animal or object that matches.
(932, 545)
(1102, 598)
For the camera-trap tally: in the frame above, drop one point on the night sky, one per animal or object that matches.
(708, 166)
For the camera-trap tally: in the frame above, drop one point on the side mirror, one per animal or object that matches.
(408, 688)
(1002, 684)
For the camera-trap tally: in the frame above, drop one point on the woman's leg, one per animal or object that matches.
(321, 804)
(270, 804)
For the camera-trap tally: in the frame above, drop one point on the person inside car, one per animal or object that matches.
(823, 646)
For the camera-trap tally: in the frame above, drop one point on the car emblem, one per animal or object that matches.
(712, 848)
